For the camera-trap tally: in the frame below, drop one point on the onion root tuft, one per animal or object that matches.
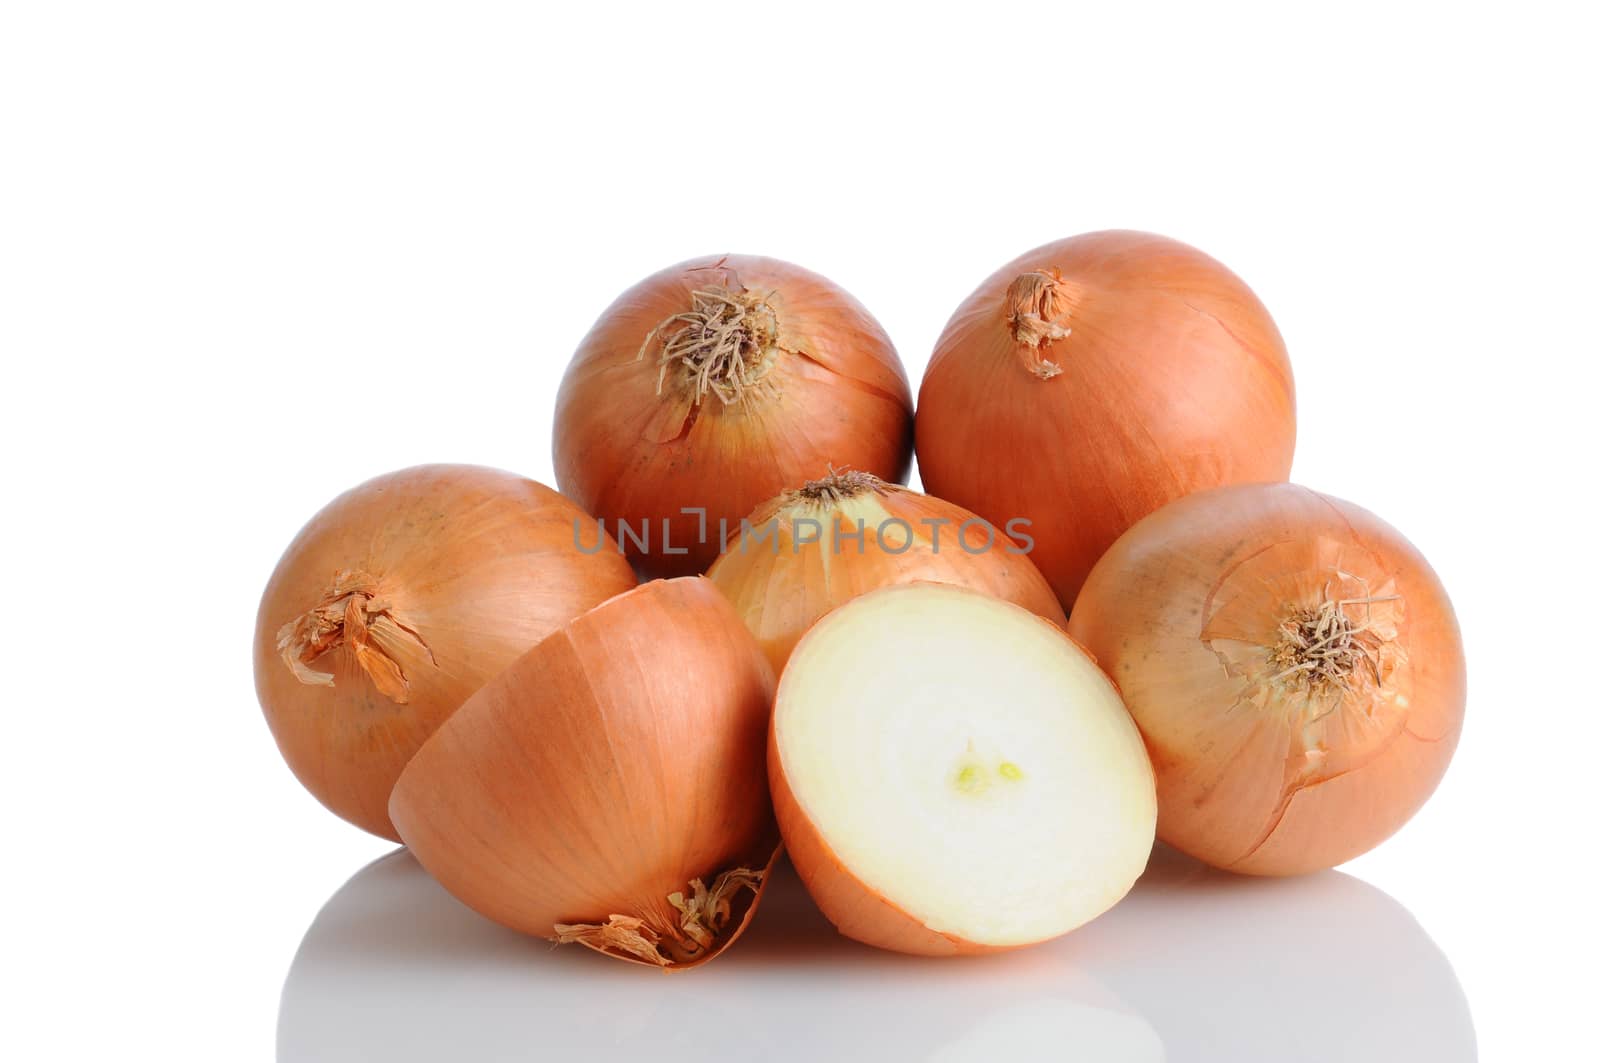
(702, 917)
(723, 346)
(1322, 651)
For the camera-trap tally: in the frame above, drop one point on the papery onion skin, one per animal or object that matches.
(604, 770)
(454, 570)
(1188, 613)
(781, 588)
(1092, 380)
(636, 444)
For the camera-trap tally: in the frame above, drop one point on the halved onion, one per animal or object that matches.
(953, 775)
(708, 388)
(400, 599)
(1295, 667)
(609, 787)
(810, 549)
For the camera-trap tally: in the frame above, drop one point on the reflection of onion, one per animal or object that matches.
(1210, 966)
(1321, 967)
(394, 969)
(1029, 1028)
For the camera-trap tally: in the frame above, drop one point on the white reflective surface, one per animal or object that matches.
(1193, 965)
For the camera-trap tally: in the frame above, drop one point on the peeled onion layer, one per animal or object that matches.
(396, 602)
(609, 787)
(1295, 667)
(952, 775)
(832, 539)
(715, 384)
(1092, 380)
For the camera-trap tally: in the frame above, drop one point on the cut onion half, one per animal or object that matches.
(952, 774)
(608, 788)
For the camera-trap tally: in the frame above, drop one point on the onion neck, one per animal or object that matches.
(353, 615)
(1038, 307)
(725, 345)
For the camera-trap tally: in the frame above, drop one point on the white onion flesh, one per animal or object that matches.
(966, 762)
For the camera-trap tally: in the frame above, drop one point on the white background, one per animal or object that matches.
(253, 254)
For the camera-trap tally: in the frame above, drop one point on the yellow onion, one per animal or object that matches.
(708, 388)
(609, 787)
(816, 547)
(1295, 667)
(1093, 380)
(397, 602)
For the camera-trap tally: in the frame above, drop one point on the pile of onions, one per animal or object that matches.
(711, 386)
(818, 546)
(609, 787)
(397, 602)
(887, 682)
(1294, 665)
(1093, 380)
